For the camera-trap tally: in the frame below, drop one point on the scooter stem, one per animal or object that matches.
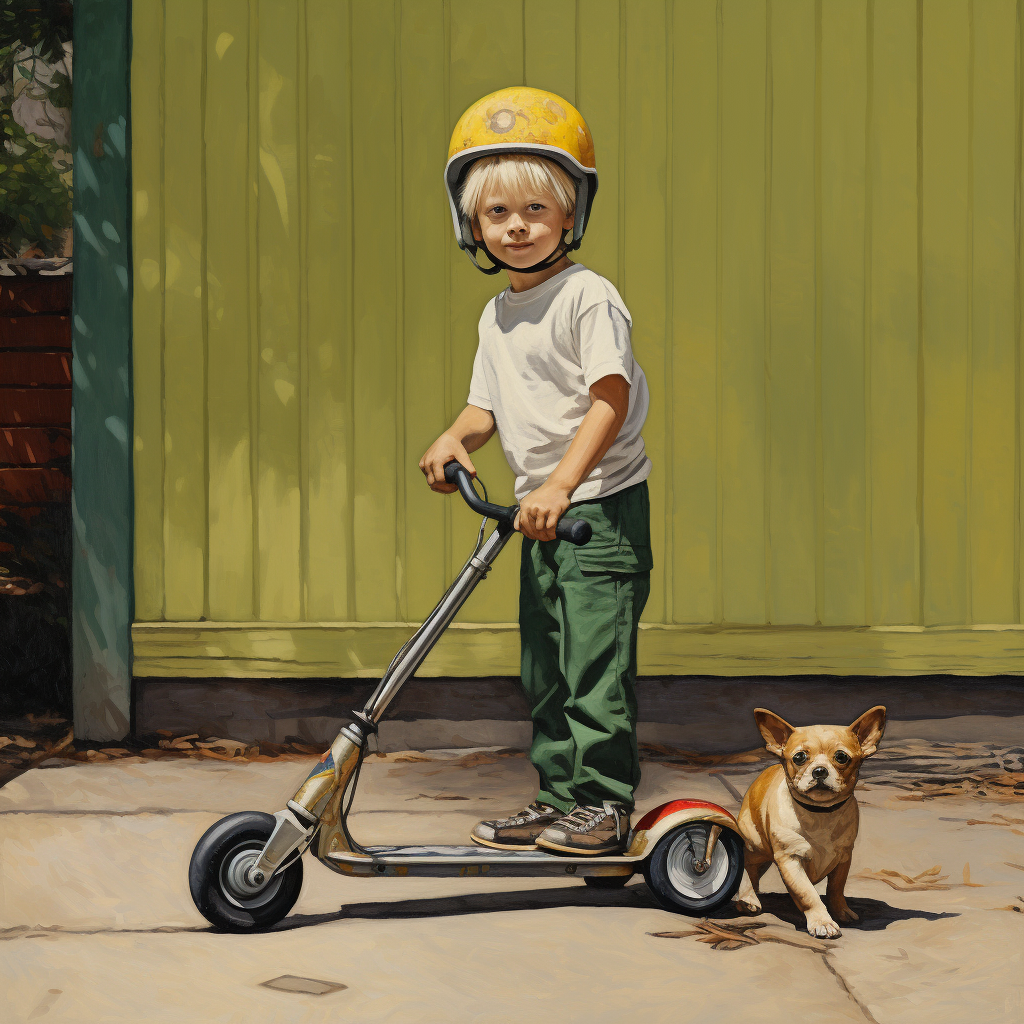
(319, 797)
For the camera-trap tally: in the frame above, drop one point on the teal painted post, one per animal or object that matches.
(101, 424)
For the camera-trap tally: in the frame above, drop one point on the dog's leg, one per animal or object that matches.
(819, 923)
(834, 893)
(747, 901)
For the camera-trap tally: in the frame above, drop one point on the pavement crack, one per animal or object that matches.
(108, 813)
(24, 931)
(846, 988)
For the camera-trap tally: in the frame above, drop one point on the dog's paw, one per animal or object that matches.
(842, 912)
(821, 926)
(748, 905)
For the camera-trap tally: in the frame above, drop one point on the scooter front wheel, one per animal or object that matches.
(217, 875)
(676, 875)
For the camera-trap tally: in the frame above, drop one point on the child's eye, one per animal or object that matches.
(497, 209)
(536, 206)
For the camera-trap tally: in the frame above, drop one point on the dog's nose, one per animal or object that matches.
(821, 772)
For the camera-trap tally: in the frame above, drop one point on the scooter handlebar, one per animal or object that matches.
(576, 531)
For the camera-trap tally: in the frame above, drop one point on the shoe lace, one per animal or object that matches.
(584, 818)
(528, 813)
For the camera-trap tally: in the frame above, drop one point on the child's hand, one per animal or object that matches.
(540, 511)
(443, 450)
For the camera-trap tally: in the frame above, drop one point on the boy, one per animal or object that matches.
(555, 376)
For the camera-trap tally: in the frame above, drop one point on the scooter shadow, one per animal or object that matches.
(875, 915)
(637, 896)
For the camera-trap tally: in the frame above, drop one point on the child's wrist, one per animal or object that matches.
(562, 485)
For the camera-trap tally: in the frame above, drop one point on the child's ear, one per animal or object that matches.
(477, 233)
(776, 731)
(570, 220)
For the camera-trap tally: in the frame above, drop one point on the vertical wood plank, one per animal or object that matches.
(550, 46)
(498, 32)
(844, 64)
(330, 257)
(374, 296)
(742, 384)
(278, 379)
(147, 83)
(793, 491)
(597, 74)
(427, 227)
(894, 571)
(992, 426)
(645, 250)
(184, 356)
(945, 285)
(693, 519)
(226, 146)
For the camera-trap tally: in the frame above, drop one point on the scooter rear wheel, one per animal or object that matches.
(672, 871)
(216, 875)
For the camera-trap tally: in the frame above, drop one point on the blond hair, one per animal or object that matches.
(520, 176)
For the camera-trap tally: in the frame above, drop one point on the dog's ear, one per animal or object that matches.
(869, 728)
(775, 730)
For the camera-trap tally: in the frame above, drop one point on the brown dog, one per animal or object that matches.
(802, 814)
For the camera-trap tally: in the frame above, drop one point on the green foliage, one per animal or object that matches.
(46, 24)
(35, 174)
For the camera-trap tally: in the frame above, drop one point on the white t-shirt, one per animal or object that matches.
(539, 352)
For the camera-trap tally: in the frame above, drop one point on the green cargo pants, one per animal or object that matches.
(579, 611)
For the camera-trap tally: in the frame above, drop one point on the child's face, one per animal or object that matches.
(520, 231)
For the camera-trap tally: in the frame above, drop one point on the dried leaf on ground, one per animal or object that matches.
(722, 935)
(918, 883)
(661, 751)
(305, 748)
(967, 878)
(1005, 821)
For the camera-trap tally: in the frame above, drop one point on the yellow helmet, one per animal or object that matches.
(522, 120)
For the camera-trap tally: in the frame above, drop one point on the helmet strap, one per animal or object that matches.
(563, 249)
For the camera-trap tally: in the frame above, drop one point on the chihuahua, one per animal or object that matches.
(802, 814)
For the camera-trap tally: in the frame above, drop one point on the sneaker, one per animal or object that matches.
(589, 830)
(518, 832)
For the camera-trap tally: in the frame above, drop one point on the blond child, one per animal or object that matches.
(555, 376)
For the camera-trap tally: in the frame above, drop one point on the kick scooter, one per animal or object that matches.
(246, 871)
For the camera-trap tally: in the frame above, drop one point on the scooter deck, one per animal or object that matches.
(440, 861)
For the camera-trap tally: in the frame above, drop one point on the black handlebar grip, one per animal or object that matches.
(451, 471)
(576, 531)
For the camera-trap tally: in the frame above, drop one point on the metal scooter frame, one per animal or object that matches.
(316, 811)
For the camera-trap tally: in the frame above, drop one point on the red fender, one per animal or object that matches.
(651, 818)
(655, 823)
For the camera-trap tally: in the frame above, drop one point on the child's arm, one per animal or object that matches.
(541, 509)
(472, 429)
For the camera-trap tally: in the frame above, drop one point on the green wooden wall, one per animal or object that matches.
(812, 210)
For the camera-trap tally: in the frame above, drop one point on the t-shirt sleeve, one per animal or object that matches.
(603, 332)
(478, 385)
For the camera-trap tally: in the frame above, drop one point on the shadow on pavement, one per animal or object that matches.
(874, 914)
(636, 895)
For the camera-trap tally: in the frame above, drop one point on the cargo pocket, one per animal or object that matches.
(621, 525)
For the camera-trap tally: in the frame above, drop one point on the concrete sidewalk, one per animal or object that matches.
(99, 924)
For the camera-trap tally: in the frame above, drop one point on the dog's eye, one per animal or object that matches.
(800, 757)
(842, 757)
